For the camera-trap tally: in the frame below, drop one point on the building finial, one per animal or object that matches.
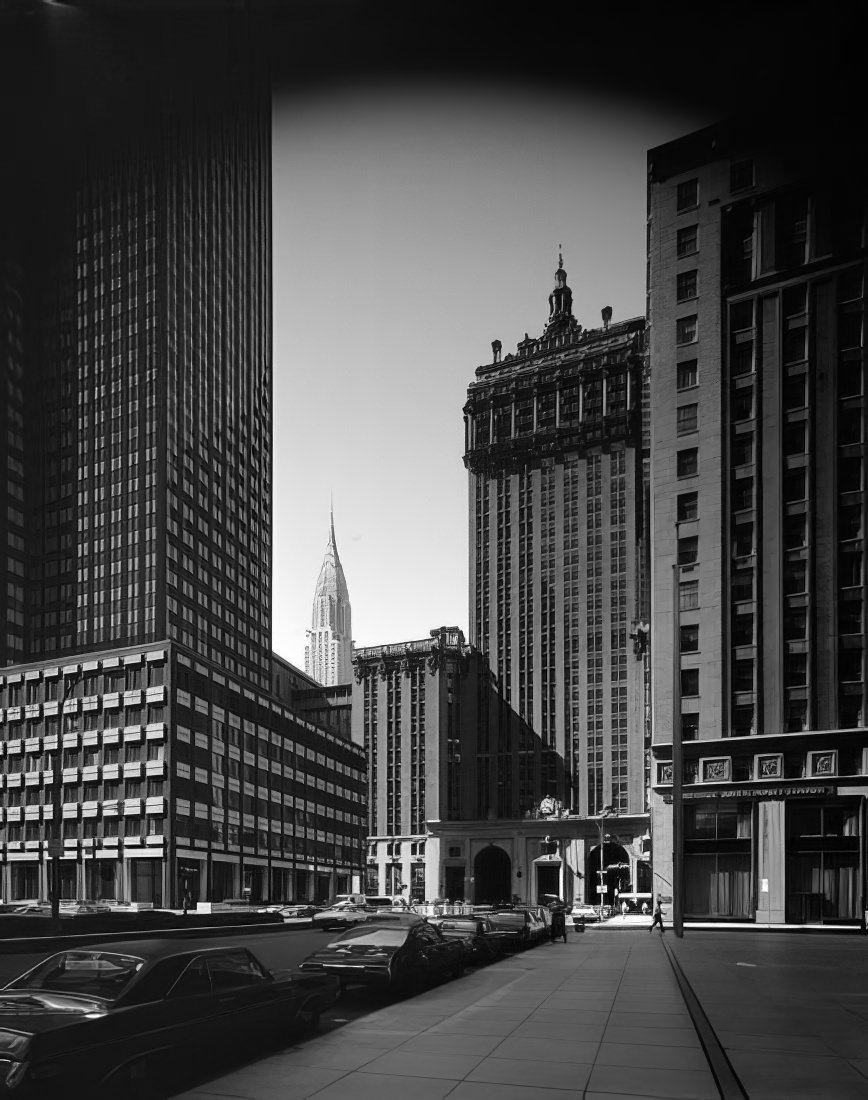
(560, 300)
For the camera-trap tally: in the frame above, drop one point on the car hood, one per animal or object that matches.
(30, 1012)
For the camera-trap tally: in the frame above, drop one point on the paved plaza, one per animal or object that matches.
(613, 1013)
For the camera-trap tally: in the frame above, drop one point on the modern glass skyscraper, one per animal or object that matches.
(139, 731)
(145, 410)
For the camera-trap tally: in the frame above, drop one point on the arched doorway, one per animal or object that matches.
(492, 876)
(616, 873)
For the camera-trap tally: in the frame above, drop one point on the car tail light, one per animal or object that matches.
(12, 1073)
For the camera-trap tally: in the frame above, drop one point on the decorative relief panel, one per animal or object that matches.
(716, 769)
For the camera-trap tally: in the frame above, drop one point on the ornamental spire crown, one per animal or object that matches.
(560, 301)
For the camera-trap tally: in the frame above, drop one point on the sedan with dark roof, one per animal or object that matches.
(119, 1019)
(482, 942)
(399, 950)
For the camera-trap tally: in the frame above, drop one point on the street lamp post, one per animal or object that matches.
(56, 843)
(607, 811)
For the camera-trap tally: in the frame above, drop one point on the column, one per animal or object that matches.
(770, 846)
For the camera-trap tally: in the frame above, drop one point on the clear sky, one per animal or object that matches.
(415, 221)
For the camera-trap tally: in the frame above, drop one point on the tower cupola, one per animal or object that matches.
(560, 301)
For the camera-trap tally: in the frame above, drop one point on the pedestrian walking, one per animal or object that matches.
(559, 923)
(623, 909)
(658, 916)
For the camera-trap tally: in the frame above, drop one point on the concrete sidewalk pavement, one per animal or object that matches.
(600, 1017)
(603, 1017)
(790, 1012)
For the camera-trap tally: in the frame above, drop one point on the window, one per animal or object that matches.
(687, 507)
(742, 630)
(687, 462)
(689, 638)
(742, 675)
(687, 240)
(686, 418)
(686, 283)
(688, 595)
(685, 330)
(795, 438)
(742, 540)
(741, 175)
(742, 494)
(795, 531)
(742, 584)
(687, 195)
(688, 550)
(794, 485)
(795, 623)
(690, 681)
(686, 374)
(689, 726)
(742, 404)
(795, 392)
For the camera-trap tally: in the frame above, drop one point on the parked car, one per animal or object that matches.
(543, 914)
(82, 908)
(581, 911)
(401, 951)
(514, 926)
(483, 943)
(120, 1019)
(301, 909)
(342, 915)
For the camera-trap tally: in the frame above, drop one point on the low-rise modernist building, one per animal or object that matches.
(174, 784)
(757, 268)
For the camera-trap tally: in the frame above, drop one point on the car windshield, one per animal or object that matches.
(91, 973)
(507, 918)
(460, 926)
(365, 936)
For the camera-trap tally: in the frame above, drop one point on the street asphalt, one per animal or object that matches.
(614, 1013)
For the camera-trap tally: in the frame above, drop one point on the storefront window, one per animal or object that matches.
(823, 879)
(717, 860)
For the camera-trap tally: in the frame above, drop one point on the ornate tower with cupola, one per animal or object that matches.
(557, 468)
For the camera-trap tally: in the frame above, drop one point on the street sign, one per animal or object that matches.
(602, 889)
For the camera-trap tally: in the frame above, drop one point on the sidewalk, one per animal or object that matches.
(791, 1012)
(602, 1017)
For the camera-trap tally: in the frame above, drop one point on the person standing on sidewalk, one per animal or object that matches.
(658, 916)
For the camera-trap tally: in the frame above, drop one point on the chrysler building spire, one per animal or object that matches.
(329, 655)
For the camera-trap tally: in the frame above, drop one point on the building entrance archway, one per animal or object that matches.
(492, 876)
(616, 873)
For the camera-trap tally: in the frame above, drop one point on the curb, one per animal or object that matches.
(728, 1083)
